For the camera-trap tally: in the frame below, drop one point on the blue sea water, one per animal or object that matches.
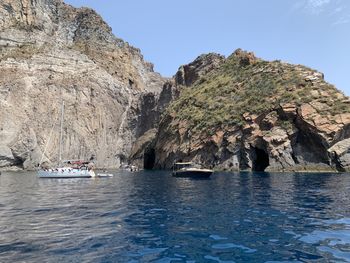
(153, 217)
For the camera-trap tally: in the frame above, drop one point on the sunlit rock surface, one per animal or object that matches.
(51, 52)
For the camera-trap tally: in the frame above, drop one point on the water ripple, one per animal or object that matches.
(153, 217)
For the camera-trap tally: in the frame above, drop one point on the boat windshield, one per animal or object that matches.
(179, 166)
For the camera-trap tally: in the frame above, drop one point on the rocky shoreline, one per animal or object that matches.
(239, 113)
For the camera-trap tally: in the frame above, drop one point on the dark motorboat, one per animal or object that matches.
(190, 170)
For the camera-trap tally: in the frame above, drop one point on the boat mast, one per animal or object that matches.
(48, 141)
(61, 135)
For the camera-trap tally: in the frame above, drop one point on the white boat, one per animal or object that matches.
(190, 169)
(76, 169)
(66, 172)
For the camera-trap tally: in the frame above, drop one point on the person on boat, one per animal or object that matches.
(133, 168)
(90, 166)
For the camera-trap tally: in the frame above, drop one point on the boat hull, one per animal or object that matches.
(63, 175)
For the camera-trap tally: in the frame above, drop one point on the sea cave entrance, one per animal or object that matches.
(149, 159)
(260, 160)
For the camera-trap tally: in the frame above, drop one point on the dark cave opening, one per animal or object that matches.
(309, 148)
(149, 158)
(260, 160)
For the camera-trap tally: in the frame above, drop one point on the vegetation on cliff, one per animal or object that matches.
(245, 84)
(244, 113)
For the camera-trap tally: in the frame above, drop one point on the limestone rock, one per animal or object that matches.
(6, 156)
(234, 113)
(340, 155)
(244, 58)
(51, 52)
(189, 74)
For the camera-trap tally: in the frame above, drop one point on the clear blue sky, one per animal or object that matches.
(170, 33)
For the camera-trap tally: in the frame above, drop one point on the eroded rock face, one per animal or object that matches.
(150, 111)
(268, 116)
(340, 155)
(187, 75)
(51, 52)
(235, 113)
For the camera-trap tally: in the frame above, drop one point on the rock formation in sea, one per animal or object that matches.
(244, 113)
(52, 52)
(235, 113)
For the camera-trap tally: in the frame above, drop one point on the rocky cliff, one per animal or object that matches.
(235, 113)
(244, 113)
(51, 52)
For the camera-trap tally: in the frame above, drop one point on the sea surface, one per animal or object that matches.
(153, 217)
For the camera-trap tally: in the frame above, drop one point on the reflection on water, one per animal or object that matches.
(151, 216)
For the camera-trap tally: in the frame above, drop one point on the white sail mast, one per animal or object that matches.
(48, 141)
